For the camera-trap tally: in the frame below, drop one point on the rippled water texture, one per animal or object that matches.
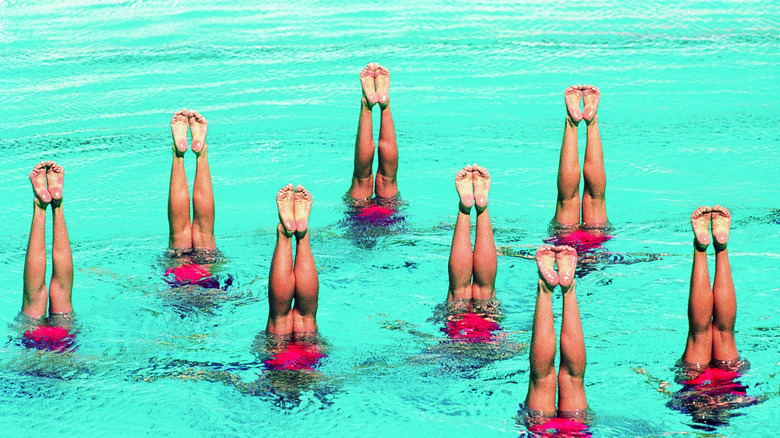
(688, 116)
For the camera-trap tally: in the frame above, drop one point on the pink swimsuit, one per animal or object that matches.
(48, 338)
(471, 328)
(297, 356)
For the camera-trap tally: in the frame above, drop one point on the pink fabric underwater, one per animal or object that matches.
(560, 427)
(717, 381)
(471, 328)
(190, 273)
(48, 338)
(195, 274)
(297, 356)
(582, 240)
(378, 215)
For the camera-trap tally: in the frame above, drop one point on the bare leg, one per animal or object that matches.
(724, 309)
(461, 258)
(180, 231)
(484, 260)
(386, 178)
(362, 176)
(698, 348)
(61, 284)
(281, 281)
(202, 192)
(571, 386)
(567, 210)
(35, 297)
(594, 210)
(542, 380)
(306, 281)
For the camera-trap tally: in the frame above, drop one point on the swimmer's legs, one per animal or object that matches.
(35, 297)
(306, 282)
(484, 261)
(386, 175)
(306, 288)
(571, 386)
(724, 309)
(461, 257)
(542, 380)
(281, 285)
(180, 230)
(362, 176)
(698, 348)
(567, 209)
(61, 283)
(594, 210)
(202, 191)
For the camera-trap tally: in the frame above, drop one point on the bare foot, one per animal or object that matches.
(38, 180)
(465, 188)
(572, 96)
(303, 201)
(566, 257)
(721, 222)
(369, 88)
(382, 81)
(700, 222)
(179, 130)
(481, 178)
(55, 176)
(284, 201)
(198, 127)
(590, 100)
(545, 261)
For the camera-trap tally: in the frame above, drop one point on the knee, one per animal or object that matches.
(571, 378)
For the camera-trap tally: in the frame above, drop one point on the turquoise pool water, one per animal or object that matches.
(688, 116)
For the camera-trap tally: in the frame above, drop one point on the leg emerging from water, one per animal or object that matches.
(180, 230)
(567, 208)
(594, 210)
(485, 261)
(281, 281)
(571, 386)
(61, 284)
(35, 298)
(306, 281)
(461, 257)
(202, 191)
(362, 176)
(698, 347)
(724, 309)
(542, 380)
(386, 178)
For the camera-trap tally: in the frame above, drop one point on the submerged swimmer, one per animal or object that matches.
(587, 231)
(472, 307)
(711, 362)
(191, 243)
(55, 332)
(375, 81)
(539, 413)
(293, 287)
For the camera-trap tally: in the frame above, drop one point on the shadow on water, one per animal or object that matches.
(287, 371)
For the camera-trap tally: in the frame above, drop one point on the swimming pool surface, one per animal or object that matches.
(688, 116)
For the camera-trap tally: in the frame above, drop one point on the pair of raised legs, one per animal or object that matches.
(593, 205)
(47, 179)
(199, 233)
(375, 81)
(712, 311)
(570, 378)
(293, 287)
(472, 273)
